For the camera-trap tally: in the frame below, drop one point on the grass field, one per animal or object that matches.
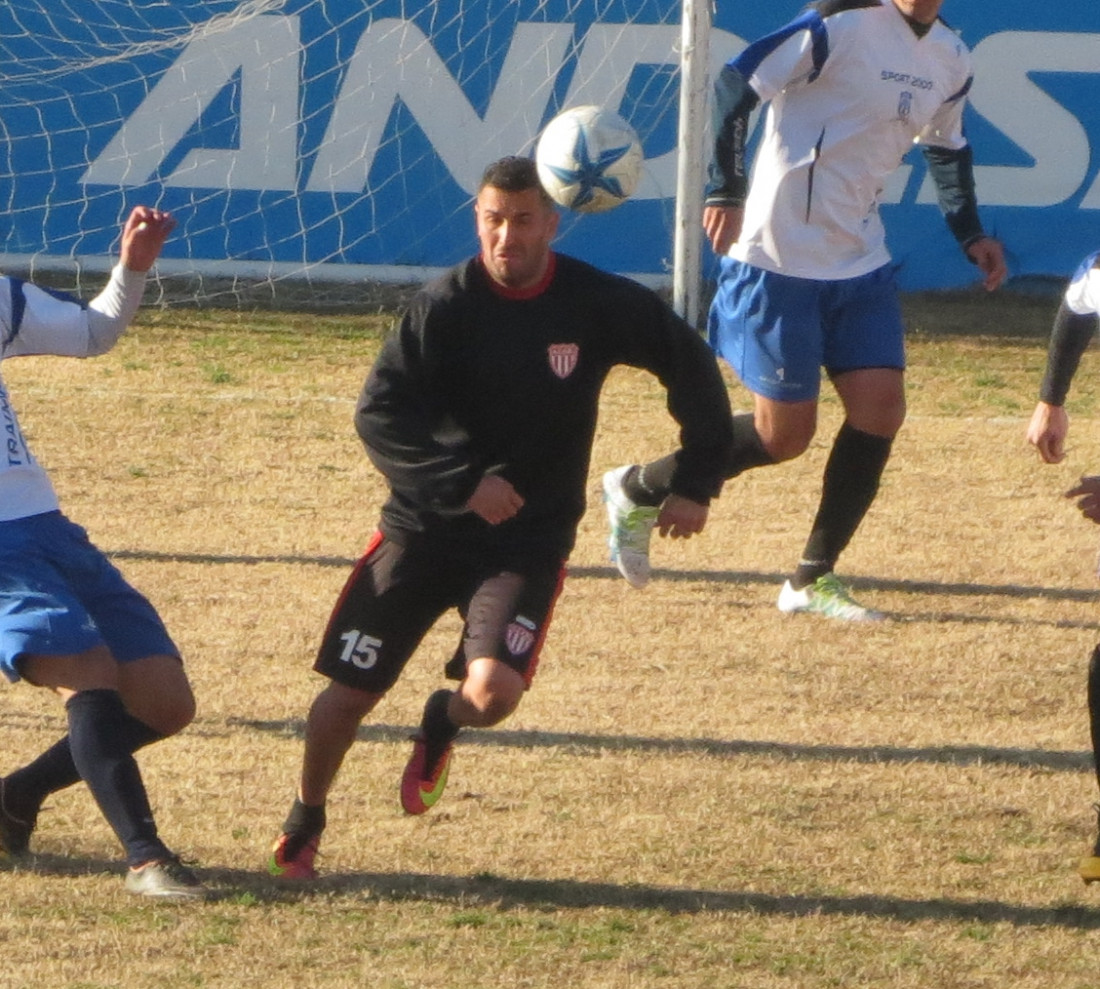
(698, 792)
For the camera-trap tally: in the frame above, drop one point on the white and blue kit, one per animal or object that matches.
(59, 595)
(1082, 295)
(1075, 326)
(850, 85)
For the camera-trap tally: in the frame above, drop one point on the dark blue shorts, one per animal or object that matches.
(60, 596)
(778, 332)
(396, 593)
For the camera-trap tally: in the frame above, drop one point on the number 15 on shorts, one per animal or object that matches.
(360, 650)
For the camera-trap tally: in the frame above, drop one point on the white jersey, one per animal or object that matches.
(851, 87)
(1083, 292)
(34, 321)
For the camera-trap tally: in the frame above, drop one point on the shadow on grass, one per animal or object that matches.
(741, 577)
(501, 893)
(250, 888)
(952, 755)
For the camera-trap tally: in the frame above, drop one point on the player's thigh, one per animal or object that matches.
(156, 691)
(507, 617)
(768, 328)
(41, 614)
(390, 600)
(69, 674)
(785, 428)
(873, 399)
(863, 324)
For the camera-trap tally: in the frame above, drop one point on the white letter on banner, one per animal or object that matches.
(394, 59)
(265, 50)
(1004, 94)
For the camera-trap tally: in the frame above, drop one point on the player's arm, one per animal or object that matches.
(763, 69)
(1070, 336)
(734, 101)
(723, 207)
(34, 320)
(952, 171)
(651, 336)
(409, 435)
(950, 162)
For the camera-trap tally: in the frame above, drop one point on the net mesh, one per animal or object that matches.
(314, 150)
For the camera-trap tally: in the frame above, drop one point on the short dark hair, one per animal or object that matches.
(514, 174)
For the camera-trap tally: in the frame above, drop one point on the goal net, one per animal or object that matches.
(310, 148)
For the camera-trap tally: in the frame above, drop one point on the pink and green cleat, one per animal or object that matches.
(293, 863)
(422, 785)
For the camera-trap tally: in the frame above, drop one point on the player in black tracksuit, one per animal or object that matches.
(480, 411)
(478, 383)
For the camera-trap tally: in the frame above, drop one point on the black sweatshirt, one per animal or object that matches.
(474, 382)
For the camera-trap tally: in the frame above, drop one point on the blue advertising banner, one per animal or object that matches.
(308, 136)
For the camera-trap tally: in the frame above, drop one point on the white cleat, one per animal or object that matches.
(826, 596)
(631, 528)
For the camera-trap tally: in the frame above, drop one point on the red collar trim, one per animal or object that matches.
(521, 293)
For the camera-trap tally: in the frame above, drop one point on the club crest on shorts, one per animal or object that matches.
(563, 358)
(519, 637)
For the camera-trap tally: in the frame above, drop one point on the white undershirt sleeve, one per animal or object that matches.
(110, 312)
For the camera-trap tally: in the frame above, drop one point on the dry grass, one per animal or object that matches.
(698, 792)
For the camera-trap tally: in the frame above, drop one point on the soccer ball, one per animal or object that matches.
(589, 159)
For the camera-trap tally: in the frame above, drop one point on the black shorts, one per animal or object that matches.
(396, 593)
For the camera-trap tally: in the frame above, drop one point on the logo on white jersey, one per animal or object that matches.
(905, 105)
(563, 358)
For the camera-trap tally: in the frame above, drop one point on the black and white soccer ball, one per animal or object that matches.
(589, 159)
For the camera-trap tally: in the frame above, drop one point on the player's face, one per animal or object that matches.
(922, 11)
(515, 230)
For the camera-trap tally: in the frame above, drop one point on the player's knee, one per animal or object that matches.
(176, 715)
(788, 444)
(343, 704)
(493, 707)
(490, 701)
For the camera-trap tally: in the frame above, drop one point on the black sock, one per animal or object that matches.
(650, 484)
(27, 788)
(304, 822)
(103, 736)
(748, 448)
(437, 727)
(851, 482)
(1094, 709)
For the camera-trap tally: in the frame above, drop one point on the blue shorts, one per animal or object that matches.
(778, 332)
(60, 596)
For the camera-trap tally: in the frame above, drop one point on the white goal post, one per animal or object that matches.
(687, 250)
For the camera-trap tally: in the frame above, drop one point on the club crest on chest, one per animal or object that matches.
(563, 358)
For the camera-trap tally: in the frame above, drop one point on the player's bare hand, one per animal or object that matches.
(989, 256)
(1047, 432)
(681, 518)
(143, 236)
(495, 500)
(1087, 493)
(722, 225)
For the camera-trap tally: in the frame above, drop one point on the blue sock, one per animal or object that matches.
(102, 741)
(26, 789)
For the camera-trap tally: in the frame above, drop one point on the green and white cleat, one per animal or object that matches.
(826, 596)
(631, 528)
